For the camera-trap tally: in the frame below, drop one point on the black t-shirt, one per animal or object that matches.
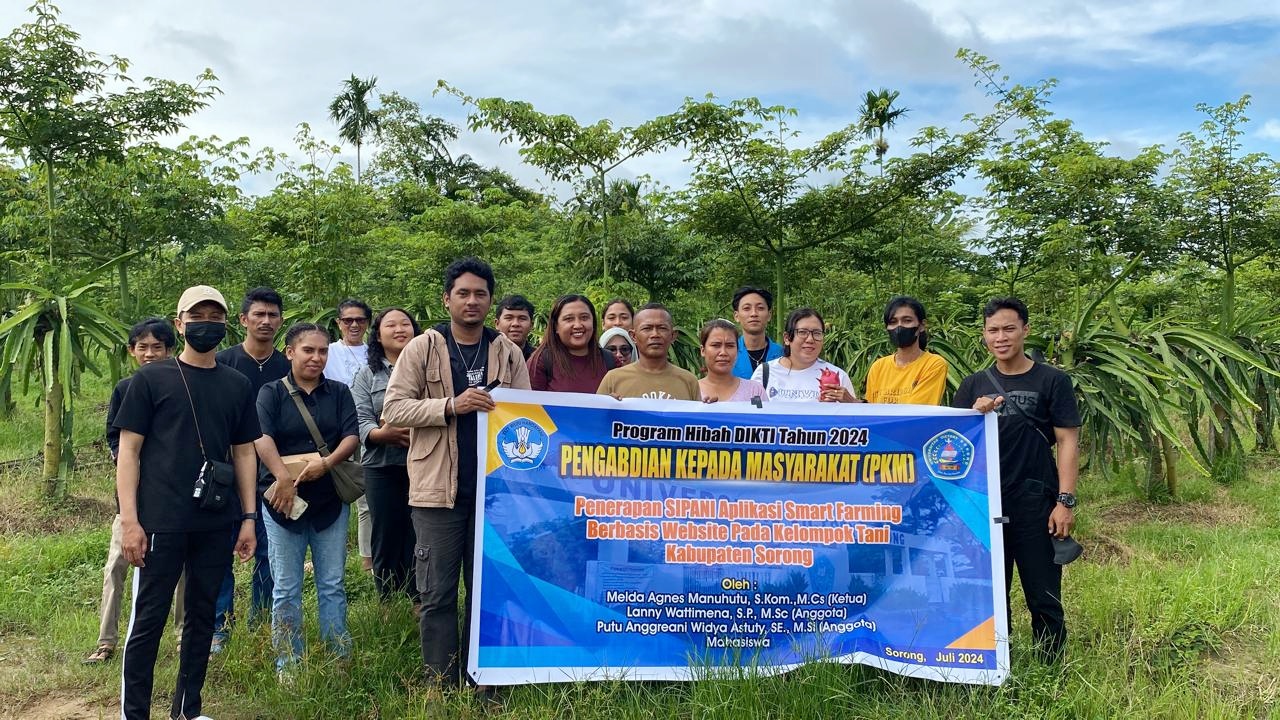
(469, 365)
(1047, 401)
(274, 368)
(334, 413)
(156, 406)
(113, 433)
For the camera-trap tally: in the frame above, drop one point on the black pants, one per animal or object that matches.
(1028, 545)
(392, 538)
(445, 545)
(205, 556)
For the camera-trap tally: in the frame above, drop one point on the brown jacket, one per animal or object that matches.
(420, 388)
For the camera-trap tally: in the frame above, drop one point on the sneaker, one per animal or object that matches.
(217, 645)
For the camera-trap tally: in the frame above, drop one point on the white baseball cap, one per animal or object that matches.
(197, 294)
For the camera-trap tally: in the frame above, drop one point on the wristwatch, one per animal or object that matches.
(1068, 500)
(249, 516)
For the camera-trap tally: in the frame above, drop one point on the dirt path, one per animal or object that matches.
(60, 707)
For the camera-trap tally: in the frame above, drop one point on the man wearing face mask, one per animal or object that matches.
(910, 376)
(261, 315)
(187, 428)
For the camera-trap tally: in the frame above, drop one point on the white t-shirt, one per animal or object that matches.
(788, 385)
(345, 361)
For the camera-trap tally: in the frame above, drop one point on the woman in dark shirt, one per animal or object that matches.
(322, 526)
(385, 455)
(568, 360)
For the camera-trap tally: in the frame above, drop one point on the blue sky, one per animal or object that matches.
(1129, 73)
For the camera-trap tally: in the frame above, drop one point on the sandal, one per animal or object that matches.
(101, 655)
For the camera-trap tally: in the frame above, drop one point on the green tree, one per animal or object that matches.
(351, 112)
(1226, 215)
(55, 109)
(1227, 211)
(568, 151)
(56, 113)
(754, 191)
(312, 221)
(153, 198)
(414, 147)
(648, 250)
(1062, 213)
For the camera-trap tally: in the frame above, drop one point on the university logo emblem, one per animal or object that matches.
(948, 455)
(522, 444)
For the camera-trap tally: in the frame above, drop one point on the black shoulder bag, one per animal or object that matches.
(348, 475)
(1016, 408)
(216, 479)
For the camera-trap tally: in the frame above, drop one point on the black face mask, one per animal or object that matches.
(204, 336)
(903, 336)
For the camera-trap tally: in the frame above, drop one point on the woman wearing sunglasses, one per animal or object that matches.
(800, 375)
(617, 341)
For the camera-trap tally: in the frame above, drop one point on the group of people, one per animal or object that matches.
(263, 430)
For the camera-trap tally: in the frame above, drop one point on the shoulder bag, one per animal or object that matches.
(216, 479)
(348, 475)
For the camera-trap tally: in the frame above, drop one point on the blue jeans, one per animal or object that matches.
(261, 586)
(329, 557)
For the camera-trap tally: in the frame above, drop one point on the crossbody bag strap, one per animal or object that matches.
(1016, 408)
(306, 418)
(192, 403)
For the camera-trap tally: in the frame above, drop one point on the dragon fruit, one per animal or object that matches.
(828, 378)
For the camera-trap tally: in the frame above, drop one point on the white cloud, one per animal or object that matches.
(1270, 130)
(281, 62)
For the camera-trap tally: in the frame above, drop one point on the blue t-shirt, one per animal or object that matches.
(743, 367)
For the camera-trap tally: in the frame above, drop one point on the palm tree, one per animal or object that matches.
(350, 110)
(878, 115)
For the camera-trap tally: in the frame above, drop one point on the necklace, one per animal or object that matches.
(354, 365)
(475, 376)
(261, 362)
(757, 356)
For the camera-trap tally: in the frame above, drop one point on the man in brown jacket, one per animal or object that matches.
(436, 389)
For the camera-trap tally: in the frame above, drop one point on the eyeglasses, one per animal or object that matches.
(353, 321)
(802, 333)
(619, 349)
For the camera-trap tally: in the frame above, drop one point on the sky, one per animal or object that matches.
(1129, 73)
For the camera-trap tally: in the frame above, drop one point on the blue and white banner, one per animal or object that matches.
(668, 540)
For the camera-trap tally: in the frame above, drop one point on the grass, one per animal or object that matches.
(1172, 614)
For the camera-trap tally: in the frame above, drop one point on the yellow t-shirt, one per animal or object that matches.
(919, 383)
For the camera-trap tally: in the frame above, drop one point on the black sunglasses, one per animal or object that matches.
(619, 349)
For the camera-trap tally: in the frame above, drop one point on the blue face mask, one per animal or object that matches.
(204, 336)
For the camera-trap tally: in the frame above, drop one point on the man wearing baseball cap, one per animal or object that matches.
(186, 468)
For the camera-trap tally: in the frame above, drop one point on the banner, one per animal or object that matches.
(670, 540)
